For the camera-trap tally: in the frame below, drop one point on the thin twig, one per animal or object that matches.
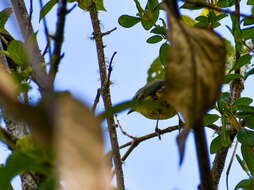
(108, 32)
(151, 135)
(134, 144)
(31, 12)
(96, 101)
(59, 38)
(230, 163)
(46, 31)
(122, 130)
(110, 68)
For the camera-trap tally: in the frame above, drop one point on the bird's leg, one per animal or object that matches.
(157, 130)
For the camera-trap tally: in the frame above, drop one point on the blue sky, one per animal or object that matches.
(153, 164)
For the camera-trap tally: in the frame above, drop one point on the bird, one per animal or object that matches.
(150, 102)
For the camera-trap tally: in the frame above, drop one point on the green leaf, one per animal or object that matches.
(243, 164)
(100, 5)
(210, 119)
(140, 10)
(223, 101)
(248, 156)
(193, 6)
(243, 101)
(225, 3)
(4, 16)
(154, 39)
(128, 21)
(188, 20)
(248, 21)
(216, 144)
(246, 137)
(163, 53)
(250, 2)
(45, 10)
(159, 30)
(250, 122)
(230, 77)
(248, 33)
(250, 72)
(246, 184)
(150, 14)
(243, 60)
(156, 71)
(17, 53)
(226, 140)
(245, 108)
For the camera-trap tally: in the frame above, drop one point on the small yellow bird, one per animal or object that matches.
(154, 107)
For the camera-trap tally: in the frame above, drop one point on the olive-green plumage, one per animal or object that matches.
(153, 92)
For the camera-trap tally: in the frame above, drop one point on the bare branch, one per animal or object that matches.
(105, 92)
(59, 37)
(110, 68)
(109, 32)
(123, 131)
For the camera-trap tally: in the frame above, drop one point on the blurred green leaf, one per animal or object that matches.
(210, 119)
(4, 16)
(248, 33)
(163, 53)
(246, 137)
(243, 101)
(230, 77)
(193, 6)
(250, 2)
(159, 30)
(154, 39)
(250, 122)
(225, 3)
(246, 184)
(128, 21)
(188, 20)
(248, 156)
(250, 72)
(223, 101)
(45, 10)
(243, 60)
(16, 52)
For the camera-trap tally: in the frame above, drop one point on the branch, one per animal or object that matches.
(39, 73)
(137, 140)
(105, 92)
(236, 88)
(96, 101)
(59, 37)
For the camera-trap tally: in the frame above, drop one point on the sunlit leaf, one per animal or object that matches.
(188, 20)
